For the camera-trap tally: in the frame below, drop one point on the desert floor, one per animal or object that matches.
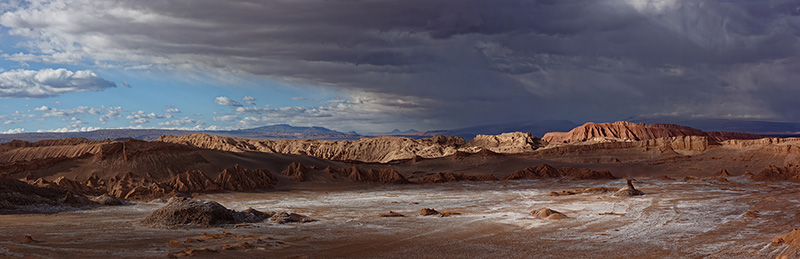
(675, 218)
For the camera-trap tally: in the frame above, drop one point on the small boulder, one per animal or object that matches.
(287, 217)
(545, 213)
(428, 212)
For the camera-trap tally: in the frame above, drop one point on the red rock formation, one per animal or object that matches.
(512, 142)
(237, 178)
(77, 187)
(297, 171)
(451, 177)
(382, 175)
(592, 190)
(773, 173)
(545, 213)
(628, 190)
(535, 172)
(723, 173)
(193, 181)
(19, 197)
(391, 214)
(792, 240)
(448, 213)
(379, 149)
(583, 173)
(629, 131)
(428, 212)
(547, 171)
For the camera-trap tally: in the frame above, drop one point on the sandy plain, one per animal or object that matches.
(675, 218)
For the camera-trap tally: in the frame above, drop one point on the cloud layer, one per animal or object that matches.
(49, 82)
(455, 62)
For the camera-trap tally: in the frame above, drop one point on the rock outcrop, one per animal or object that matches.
(288, 217)
(428, 212)
(772, 173)
(193, 181)
(545, 213)
(592, 190)
(513, 142)
(238, 178)
(442, 177)
(628, 190)
(629, 131)
(297, 171)
(390, 214)
(382, 175)
(19, 197)
(379, 149)
(722, 173)
(547, 171)
(195, 213)
(448, 213)
(792, 240)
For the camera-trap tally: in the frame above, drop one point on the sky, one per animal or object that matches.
(373, 66)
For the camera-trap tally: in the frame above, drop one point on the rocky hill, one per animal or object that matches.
(629, 131)
(378, 149)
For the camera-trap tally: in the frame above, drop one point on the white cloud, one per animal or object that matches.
(249, 100)
(49, 82)
(73, 129)
(112, 113)
(80, 110)
(139, 121)
(181, 122)
(13, 131)
(144, 115)
(226, 118)
(364, 112)
(172, 110)
(225, 101)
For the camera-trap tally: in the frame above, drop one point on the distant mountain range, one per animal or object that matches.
(767, 128)
(279, 131)
(536, 128)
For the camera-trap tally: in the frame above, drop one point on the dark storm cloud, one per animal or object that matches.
(479, 61)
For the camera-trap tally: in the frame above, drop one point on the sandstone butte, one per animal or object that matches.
(629, 131)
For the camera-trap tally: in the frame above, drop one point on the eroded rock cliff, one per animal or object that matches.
(379, 149)
(629, 131)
